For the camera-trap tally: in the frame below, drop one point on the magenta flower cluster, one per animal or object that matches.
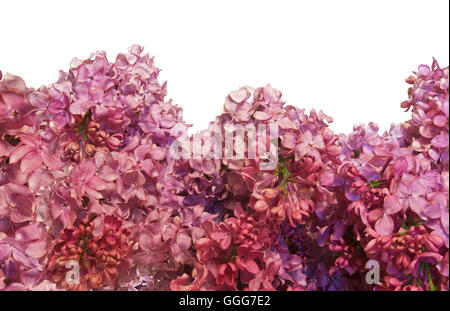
(91, 198)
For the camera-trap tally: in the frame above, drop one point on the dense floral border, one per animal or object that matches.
(88, 189)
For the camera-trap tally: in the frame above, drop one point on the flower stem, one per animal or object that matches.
(433, 288)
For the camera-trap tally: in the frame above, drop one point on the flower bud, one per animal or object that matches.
(89, 149)
(356, 207)
(261, 206)
(95, 280)
(299, 216)
(411, 79)
(270, 194)
(327, 134)
(311, 165)
(405, 104)
(333, 150)
(349, 171)
(71, 152)
(360, 186)
(115, 141)
(306, 205)
(278, 213)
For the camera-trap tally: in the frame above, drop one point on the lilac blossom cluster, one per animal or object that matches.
(91, 198)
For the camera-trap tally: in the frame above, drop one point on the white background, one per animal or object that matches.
(348, 58)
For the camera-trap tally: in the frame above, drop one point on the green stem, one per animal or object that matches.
(430, 280)
(286, 175)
